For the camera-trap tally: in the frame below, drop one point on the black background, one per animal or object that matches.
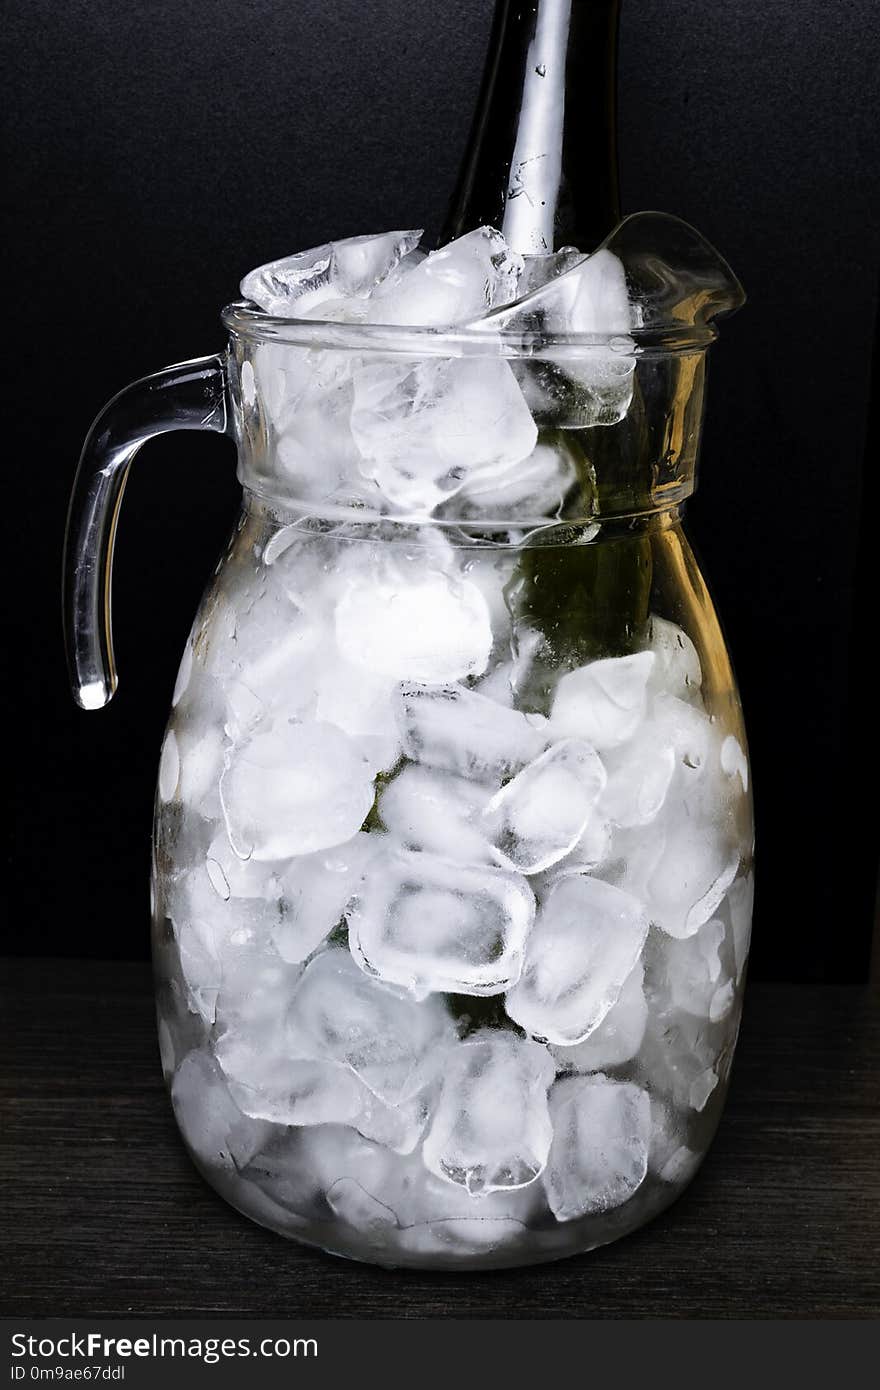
(158, 150)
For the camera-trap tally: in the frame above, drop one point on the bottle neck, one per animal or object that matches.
(542, 160)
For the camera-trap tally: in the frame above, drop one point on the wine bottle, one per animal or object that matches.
(541, 166)
(542, 159)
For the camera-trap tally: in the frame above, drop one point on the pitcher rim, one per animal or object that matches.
(245, 321)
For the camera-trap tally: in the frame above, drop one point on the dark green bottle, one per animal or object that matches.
(541, 166)
(541, 163)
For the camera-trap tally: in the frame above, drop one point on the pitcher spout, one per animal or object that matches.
(675, 277)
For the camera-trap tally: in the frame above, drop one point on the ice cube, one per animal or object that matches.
(360, 264)
(639, 775)
(315, 454)
(291, 284)
(360, 702)
(739, 906)
(314, 569)
(440, 1214)
(669, 1157)
(397, 1127)
(539, 816)
(201, 751)
(497, 685)
(295, 285)
(464, 1236)
(588, 297)
(223, 928)
(568, 391)
(432, 629)
(430, 924)
(231, 877)
(591, 851)
(722, 1001)
(691, 821)
(316, 889)
(631, 858)
(690, 733)
(169, 767)
(504, 682)
(680, 1166)
(426, 427)
(212, 1125)
(585, 943)
(491, 1128)
(436, 811)
(193, 907)
(200, 965)
(534, 488)
(460, 281)
(673, 737)
(268, 1084)
(599, 1154)
(603, 702)
(677, 669)
(702, 1088)
(295, 789)
(288, 1169)
(351, 1203)
(491, 568)
(734, 762)
(257, 985)
(267, 656)
(697, 866)
(245, 709)
(463, 731)
(184, 672)
(390, 1043)
(618, 1037)
(293, 383)
(680, 1057)
(692, 974)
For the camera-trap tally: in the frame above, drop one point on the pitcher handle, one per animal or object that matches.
(187, 396)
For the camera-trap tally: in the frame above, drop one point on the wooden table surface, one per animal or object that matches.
(104, 1214)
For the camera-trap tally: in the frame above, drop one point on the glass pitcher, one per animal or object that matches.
(452, 874)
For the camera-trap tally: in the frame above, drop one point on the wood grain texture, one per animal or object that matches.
(104, 1213)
